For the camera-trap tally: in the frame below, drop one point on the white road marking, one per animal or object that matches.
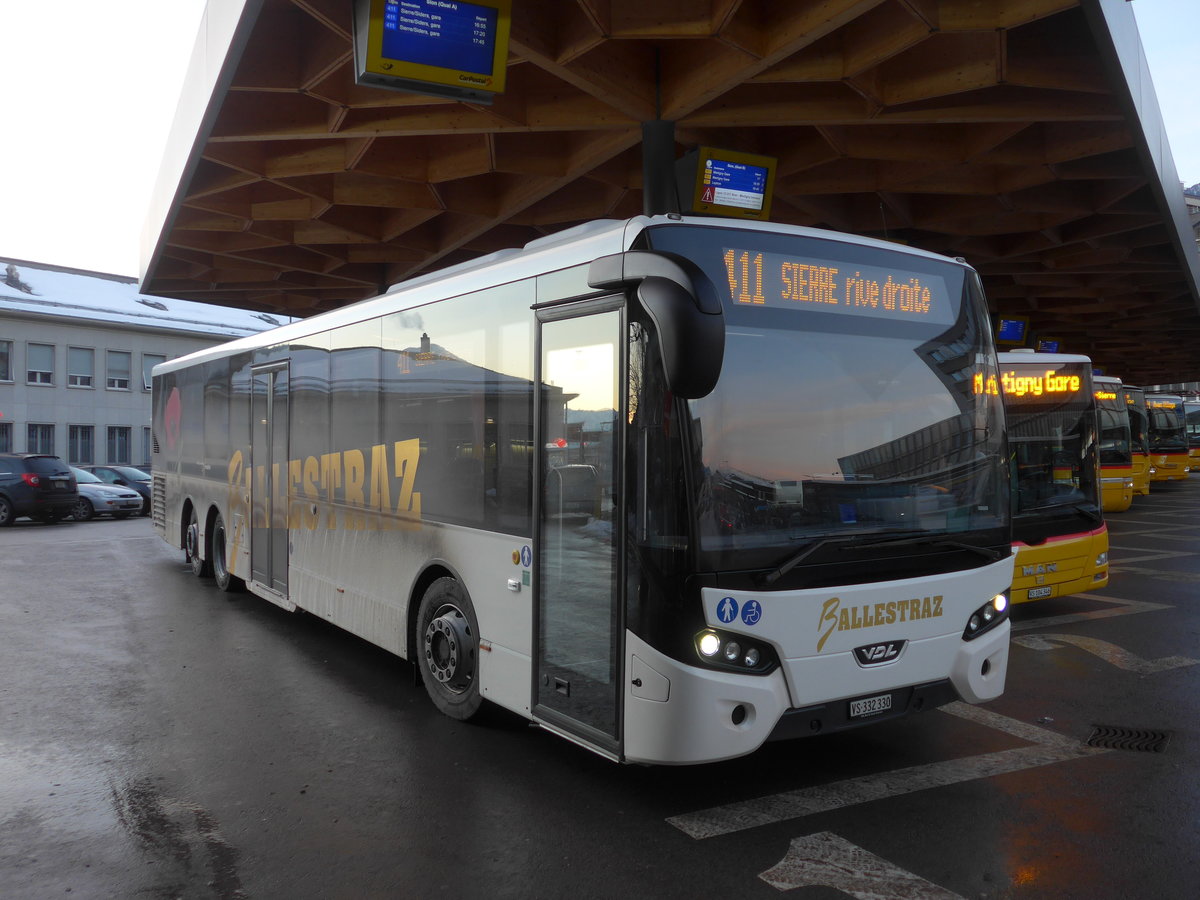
(1119, 608)
(1110, 653)
(1048, 748)
(1147, 555)
(827, 860)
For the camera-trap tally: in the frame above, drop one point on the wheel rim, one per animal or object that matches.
(448, 646)
(81, 509)
(192, 541)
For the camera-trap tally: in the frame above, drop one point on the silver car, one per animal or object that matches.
(99, 499)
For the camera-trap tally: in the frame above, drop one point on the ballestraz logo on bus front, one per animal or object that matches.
(835, 617)
(357, 490)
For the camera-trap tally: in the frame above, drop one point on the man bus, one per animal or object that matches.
(1058, 528)
(797, 518)
(1167, 431)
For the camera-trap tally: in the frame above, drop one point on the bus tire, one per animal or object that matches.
(447, 649)
(226, 580)
(194, 553)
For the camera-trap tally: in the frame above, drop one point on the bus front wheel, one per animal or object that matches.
(448, 649)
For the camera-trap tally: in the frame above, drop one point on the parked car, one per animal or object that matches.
(36, 485)
(125, 476)
(99, 499)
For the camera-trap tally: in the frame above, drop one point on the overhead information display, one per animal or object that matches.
(448, 48)
(733, 184)
(726, 183)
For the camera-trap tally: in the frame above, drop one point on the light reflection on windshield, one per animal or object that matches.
(858, 420)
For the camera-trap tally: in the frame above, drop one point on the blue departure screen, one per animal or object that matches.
(733, 184)
(1011, 331)
(448, 34)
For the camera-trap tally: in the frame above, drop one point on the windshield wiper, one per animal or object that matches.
(853, 542)
(933, 541)
(795, 560)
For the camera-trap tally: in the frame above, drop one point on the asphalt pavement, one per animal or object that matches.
(160, 739)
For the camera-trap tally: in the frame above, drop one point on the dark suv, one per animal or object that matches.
(35, 485)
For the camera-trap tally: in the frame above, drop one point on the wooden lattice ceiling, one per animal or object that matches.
(987, 129)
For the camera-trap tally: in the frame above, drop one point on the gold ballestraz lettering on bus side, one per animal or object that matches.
(835, 617)
(331, 491)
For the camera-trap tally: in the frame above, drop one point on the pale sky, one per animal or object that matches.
(90, 86)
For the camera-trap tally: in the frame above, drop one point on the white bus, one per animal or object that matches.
(786, 511)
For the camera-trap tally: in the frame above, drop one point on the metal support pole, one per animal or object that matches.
(658, 168)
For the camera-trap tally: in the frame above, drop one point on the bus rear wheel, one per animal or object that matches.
(448, 649)
(201, 567)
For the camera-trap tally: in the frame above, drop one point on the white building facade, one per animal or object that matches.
(76, 352)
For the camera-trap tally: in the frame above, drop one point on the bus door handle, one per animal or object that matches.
(514, 585)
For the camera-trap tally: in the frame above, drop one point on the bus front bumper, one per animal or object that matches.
(680, 714)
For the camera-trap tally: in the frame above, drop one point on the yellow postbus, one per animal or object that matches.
(1139, 438)
(1116, 460)
(1169, 459)
(1191, 421)
(1059, 533)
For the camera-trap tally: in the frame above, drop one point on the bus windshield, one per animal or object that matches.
(1139, 424)
(1052, 439)
(1114, 426)
(1191, 412)
(1168, 433)
(858, 394)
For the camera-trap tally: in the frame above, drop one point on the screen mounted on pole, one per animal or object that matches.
(445, 48)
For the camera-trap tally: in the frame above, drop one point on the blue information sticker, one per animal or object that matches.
(752, 612)
(727, 610)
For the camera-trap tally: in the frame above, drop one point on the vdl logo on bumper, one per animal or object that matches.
(879, 654)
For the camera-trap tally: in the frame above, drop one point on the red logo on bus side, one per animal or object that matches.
(173, 418)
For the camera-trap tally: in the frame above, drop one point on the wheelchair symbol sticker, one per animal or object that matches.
(526, 556)
(752, 612)
(727, 610)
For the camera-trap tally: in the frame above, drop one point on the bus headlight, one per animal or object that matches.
(1102, 560)
(735, 653)
(708, 644)
(986, 617)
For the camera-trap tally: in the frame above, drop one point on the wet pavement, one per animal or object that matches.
(159, 739)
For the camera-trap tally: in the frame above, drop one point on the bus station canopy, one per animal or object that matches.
(1021, 135)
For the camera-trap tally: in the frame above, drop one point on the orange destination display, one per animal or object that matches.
(757, 278)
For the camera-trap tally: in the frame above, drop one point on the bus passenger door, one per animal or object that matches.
(580, 623)
(268, 491)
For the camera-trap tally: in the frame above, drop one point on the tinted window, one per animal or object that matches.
(46, 465)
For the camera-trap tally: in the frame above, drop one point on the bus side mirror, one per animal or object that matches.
(690, 323)
(692, 343)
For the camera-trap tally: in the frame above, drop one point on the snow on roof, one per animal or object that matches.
(41, 289)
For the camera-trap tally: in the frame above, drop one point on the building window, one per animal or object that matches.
(40, 439)
(118, 445)
(81, 440)
(147, 448)
(149, 361)
(6, 437)
(118, 370)
(81, 366)
(6, 361)
(39, 361)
